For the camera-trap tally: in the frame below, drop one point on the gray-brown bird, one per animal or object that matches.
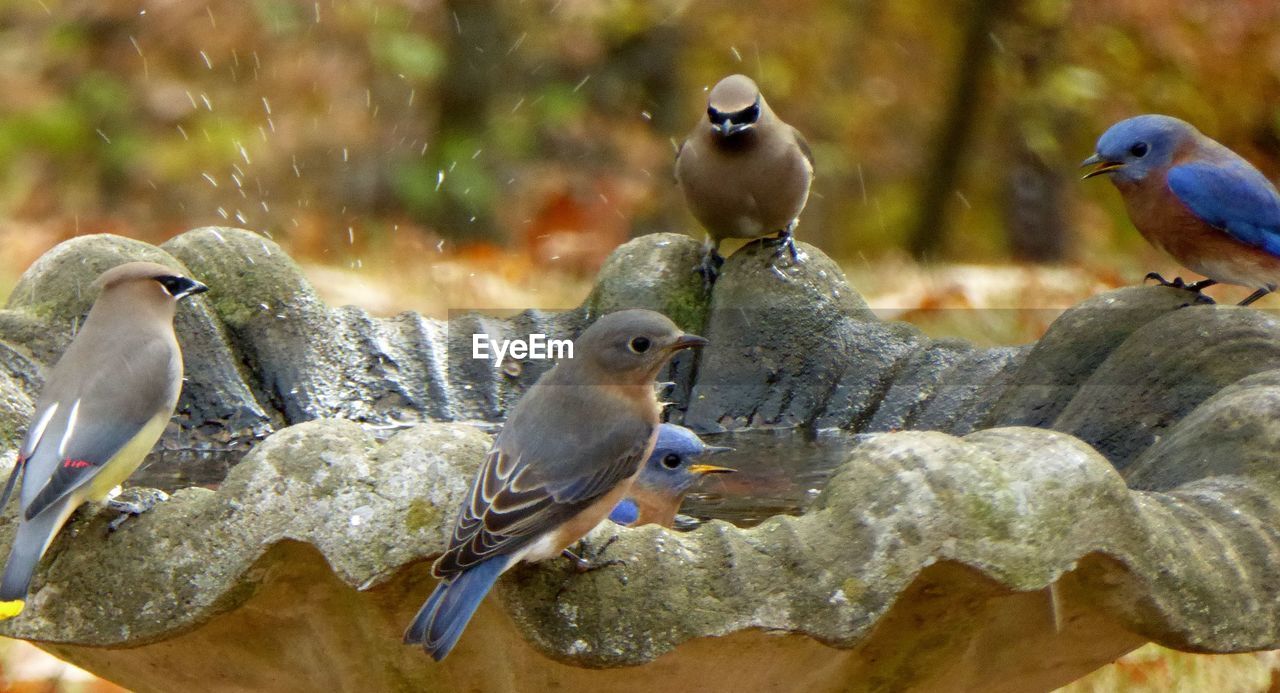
(569, 451)
(103, 406)
(744, 172)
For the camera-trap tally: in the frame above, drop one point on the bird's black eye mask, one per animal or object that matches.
(746, 116)
(179, 287)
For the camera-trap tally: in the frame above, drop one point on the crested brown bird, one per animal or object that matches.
(743, 171)
(103, 406)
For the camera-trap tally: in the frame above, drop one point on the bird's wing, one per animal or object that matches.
(44, 414)
(803, 144)
(523, 492)
(95, 414)
(1233, 197)
(675, 164)
(625, 513)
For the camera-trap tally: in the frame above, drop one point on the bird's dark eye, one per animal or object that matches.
(1139, 150)
(639, 345)
(180, 287)
(671, 461)
(750, 114)
(173, 285)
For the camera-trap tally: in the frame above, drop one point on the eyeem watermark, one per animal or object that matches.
(537, 347)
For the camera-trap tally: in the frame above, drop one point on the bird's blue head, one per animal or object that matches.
(1131, 149)
(672, 467)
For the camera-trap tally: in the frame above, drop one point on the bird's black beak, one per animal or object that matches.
(1100, 165)
(686, 341)
(728, 128)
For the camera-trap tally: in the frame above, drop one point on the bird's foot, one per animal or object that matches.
(590, 560)
(787, 245)
(1178, 283)
(133, 502)
(710, 265)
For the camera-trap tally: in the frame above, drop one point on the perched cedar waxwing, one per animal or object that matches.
(669, 473)
(566, 455)
(743, 171)
(102, 408)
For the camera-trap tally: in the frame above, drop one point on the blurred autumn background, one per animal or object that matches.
(436, 154)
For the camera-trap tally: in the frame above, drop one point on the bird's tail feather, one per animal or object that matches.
(28, 546)
(442, 619)
(13, 479)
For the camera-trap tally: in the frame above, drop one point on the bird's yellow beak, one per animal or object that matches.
(701, 469)
(1100, 166)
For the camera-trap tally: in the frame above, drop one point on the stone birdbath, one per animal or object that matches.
(1012, 519)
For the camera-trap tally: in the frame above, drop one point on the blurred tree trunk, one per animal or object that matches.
(1034, 184)
(955, 132)
(474, 48)
(1034, 213)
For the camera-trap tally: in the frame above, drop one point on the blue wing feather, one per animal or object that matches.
(1231, 196)
(625, 512)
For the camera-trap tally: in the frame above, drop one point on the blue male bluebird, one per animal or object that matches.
(1196, 200)
(668, 474)
(567, 454)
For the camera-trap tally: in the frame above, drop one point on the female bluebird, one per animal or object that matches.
(668, 474)
(567, 454)
(1196, 200)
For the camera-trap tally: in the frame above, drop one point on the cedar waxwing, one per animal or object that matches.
(668, 474)
(566, 455)
(103, 406)
(743, 171)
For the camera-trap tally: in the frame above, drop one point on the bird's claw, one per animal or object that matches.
(1178, 282)
(787, 246)
(590, 561)
(133, 502)
(583, 565)
(709, 267)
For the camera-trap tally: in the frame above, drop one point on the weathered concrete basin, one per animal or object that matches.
(1128, 460)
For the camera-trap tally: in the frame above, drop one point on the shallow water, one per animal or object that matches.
(779, 471)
